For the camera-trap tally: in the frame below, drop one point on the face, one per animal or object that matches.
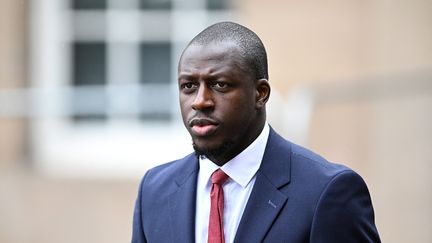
(221, 103)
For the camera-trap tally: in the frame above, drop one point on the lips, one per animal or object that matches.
(202, 127)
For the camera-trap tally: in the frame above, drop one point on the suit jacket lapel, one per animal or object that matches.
(266, 201)
(182, 203)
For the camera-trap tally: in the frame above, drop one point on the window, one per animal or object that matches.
(216, 4)
(107, 72)
(89, 4)
(155, 4)
(89, 69)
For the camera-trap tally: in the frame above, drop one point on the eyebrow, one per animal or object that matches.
(186, 76)
(213, 75)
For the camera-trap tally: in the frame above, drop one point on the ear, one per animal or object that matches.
(262, 93)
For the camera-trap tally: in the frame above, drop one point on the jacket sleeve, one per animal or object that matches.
(137, 227)
(344, 212)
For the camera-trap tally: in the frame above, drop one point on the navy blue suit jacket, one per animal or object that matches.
(298, 197)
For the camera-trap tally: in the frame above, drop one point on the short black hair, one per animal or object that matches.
(250, 45)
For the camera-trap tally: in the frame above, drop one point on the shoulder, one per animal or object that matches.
(171, 168)
(166, 175)
(307, 160)
(308, 171)
(300, 159)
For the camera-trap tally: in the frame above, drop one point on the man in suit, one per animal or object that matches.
(272, 190)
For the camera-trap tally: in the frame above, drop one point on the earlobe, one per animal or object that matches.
(262, 93)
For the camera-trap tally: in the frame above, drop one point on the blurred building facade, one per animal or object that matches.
(88, 101)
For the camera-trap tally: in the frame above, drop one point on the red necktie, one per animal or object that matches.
(215, 230)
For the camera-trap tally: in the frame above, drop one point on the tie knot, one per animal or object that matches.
(219, 177)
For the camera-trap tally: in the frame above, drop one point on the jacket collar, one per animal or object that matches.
(266, 200)
(182, 201)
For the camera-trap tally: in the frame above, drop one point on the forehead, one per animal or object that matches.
(213, 54)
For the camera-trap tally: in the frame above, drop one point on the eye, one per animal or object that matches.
(188, 86)
(220, 85)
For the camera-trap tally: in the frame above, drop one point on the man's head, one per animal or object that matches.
(223, 90)
(250, 47)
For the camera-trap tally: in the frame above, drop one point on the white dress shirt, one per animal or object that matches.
(241, 170)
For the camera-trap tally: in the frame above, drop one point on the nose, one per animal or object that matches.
(203, 99)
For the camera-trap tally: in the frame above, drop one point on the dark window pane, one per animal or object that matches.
(217, 4)
(155, 4)
(89, 4)
(156, 69)
(89, 63)
(89, 71)
(155, 62)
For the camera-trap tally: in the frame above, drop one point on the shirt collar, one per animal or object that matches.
(243, 167)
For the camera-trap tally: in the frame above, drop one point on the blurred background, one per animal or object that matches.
(88, 102)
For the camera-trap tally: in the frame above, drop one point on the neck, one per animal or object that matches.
(239, 143)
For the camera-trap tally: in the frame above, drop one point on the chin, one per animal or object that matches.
(212, 152)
